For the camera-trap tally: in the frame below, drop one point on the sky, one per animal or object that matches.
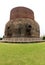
(38, 6)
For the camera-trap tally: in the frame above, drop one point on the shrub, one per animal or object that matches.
(43, 37)
(0, 38)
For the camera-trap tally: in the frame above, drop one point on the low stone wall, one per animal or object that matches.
(21, 39)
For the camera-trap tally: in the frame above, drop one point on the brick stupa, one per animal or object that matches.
(22, 26)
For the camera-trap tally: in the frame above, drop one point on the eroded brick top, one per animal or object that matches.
(21, 12)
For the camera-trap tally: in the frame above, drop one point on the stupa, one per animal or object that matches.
(22, 26)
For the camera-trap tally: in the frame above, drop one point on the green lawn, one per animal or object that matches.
(22, 54)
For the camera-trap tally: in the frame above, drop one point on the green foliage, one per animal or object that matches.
(22, 54)
(0, 38)
(43, 37)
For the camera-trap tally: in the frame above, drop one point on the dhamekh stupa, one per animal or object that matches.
(22, 26)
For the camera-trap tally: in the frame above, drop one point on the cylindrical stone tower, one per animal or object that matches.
(22, 24)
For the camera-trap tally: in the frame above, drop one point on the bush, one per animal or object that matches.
(0, 38)
(43, 37)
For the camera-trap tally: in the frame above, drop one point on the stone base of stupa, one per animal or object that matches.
(21, 39)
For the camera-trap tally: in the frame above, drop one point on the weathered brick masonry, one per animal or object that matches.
(22, 24)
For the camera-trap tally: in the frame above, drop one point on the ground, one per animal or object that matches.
(22, 54)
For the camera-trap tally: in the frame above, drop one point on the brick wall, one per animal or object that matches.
(21, 12)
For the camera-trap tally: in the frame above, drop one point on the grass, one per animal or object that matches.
(22, 54)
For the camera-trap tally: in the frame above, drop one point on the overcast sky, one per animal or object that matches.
(38, 6)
